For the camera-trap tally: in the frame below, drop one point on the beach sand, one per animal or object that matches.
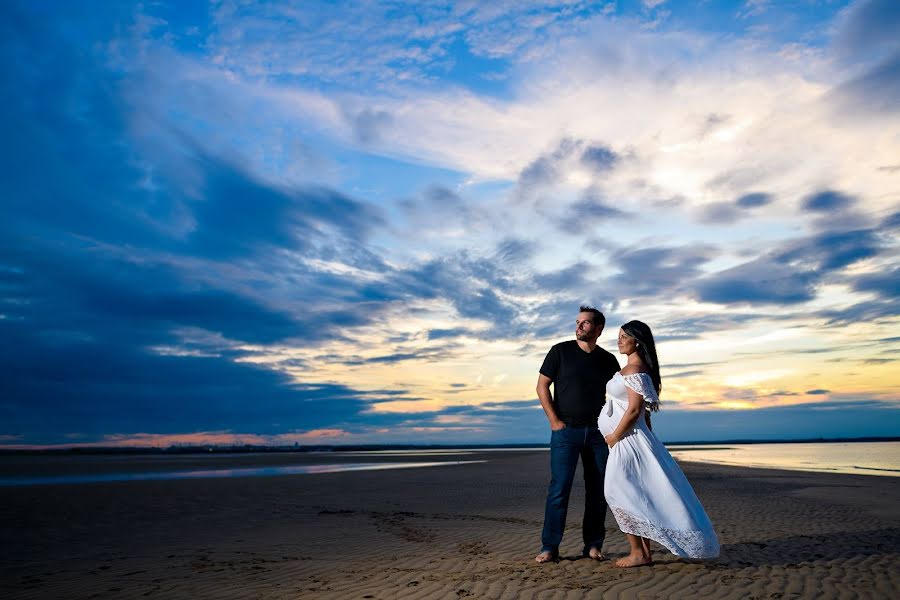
(463, 531)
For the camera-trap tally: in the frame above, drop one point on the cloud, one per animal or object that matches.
(866, 41)
(600, 158)
(207, 212)
(453, 128)
(570, 154)
(878, 90)
(428, 354)
(590, 211)
(58, 386)
(679, 374)
(438, 334)
(93, 294)
(754, 200)
(790, 274)
(720, 212)
(504, 422)
(659, 270)
(827, 201)
(239, 215)
(546, 168)
(761, 281)
(368, 124)
(868, 27)
(440, 212)
(405, 43)
(116, 237)
(885, 284)
(438, 196)
(475, 287)
(515, 251)
(876, 311)
(673, 327)
(892, 222)
(574, 277)
(204, 438)
(731, 212)
(753, 8)
(830, 250)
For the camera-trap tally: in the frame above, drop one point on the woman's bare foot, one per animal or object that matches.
(545, 557)
(645, 546)
(633, 560)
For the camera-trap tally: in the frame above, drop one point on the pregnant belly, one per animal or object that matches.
(607, 424)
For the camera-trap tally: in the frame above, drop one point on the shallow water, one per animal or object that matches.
(219, 473)
(860, 458)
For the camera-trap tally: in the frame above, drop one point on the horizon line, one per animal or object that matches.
(188, 449)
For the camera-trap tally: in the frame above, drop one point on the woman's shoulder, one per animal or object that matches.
(633, 370)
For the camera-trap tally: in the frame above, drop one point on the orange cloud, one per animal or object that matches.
(200, 438)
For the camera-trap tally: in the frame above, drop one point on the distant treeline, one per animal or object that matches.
(249, 448)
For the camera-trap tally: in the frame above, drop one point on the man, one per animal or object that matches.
(578, 370)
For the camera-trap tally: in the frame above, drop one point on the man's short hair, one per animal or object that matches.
(598, 319)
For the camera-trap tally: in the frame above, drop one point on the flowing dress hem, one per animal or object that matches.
(684, 544)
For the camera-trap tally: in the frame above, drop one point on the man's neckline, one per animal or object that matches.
(586, 351)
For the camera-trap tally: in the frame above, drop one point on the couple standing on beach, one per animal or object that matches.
(599, 412)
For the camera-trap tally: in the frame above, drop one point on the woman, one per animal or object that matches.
(648, 494)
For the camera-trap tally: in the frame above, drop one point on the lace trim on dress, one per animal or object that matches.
(686, 544)
(643, 385)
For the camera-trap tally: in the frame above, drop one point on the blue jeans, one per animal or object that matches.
(566, 445)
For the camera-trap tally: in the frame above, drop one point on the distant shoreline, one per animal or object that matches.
(387, 447)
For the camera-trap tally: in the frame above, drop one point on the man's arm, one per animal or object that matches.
(543, 393)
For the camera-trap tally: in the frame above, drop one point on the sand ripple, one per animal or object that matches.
(456, 532)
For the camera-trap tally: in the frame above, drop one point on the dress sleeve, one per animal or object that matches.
(643, 385)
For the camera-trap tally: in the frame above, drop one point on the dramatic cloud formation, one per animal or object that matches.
(295, 222)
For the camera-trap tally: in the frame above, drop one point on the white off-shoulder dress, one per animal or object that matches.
(646, 490)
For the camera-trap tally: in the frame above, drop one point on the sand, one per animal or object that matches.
(465, 531)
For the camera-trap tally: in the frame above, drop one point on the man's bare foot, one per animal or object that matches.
(596, 554)
(545, 557)
(633, 561)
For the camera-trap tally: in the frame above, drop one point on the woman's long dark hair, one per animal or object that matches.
(646, 349)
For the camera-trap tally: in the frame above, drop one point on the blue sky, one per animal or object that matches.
(280, 222)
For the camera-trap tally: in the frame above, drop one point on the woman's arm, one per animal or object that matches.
(635, 402)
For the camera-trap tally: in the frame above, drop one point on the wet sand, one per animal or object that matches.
(445, 532)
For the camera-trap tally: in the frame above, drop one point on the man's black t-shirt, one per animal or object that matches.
(579, 381)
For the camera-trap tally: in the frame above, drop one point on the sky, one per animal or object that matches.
(306, 222)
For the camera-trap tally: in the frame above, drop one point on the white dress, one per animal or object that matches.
(644, 487)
